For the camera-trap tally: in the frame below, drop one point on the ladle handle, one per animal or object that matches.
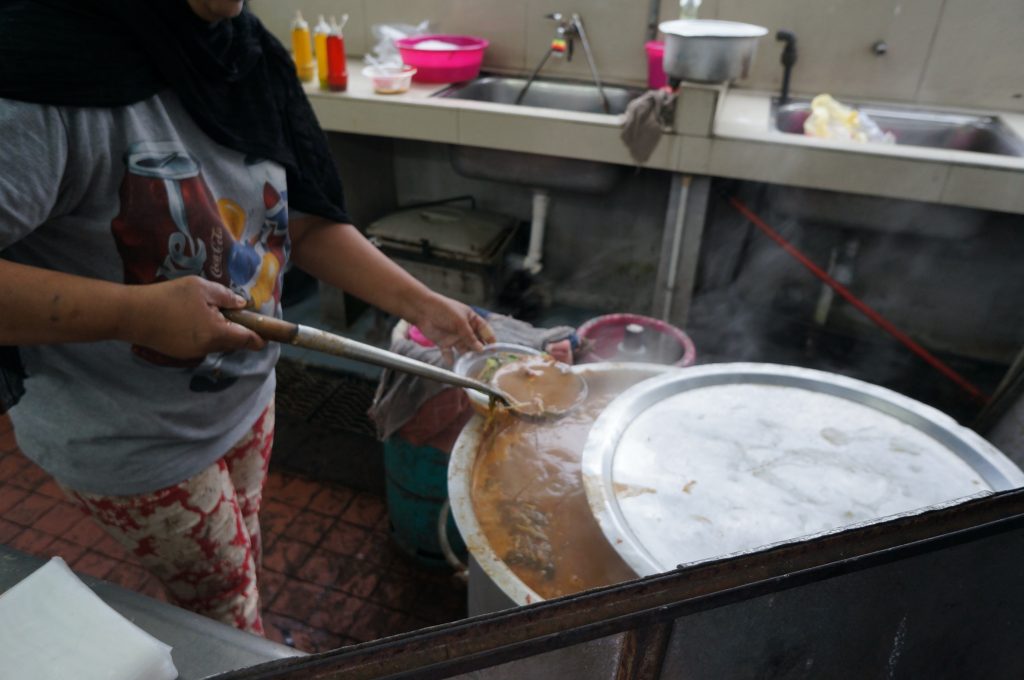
(278, 330)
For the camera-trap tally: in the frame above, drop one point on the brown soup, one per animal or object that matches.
(528, 497)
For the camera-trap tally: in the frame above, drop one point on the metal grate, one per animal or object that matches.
(335, 400)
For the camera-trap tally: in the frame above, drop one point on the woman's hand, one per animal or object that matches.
(451, 325)
(182, 319)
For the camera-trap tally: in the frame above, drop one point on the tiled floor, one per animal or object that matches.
(332, 576)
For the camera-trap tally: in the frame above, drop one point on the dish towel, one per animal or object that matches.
(646, 118)
(54, 626)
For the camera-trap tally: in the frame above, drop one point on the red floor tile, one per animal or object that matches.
(379, 549)
(322, 567)
(296, 491)
(51, 489)
(109, 546)
(270, 583)
(11, 464)
(31, 541)
(8, 530)
(128, 576)
(358, 578)
(286, 555)
(331, 501)
(85, 532)
(345, 538)
(310, 527)
(298, 600)
(29, 477)
(59, 519)
(365, 510)
(28, 511)
(94, 564)
(337, 613)
(66, 550)
(276, 517)
(10, 496)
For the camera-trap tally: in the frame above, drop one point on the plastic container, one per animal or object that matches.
(656, 78)
(320, 33)
(337, 66)
(635, 338)
(302, 49)
(390, 79)
(459, 62)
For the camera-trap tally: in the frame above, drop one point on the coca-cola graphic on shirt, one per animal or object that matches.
(170, 225)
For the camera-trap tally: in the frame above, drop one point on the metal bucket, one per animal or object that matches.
(708, 51)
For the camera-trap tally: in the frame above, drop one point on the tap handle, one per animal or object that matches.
(554, 16)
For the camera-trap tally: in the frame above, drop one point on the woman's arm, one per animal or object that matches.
(179, 318)
(340, 256)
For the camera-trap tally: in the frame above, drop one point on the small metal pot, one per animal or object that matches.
(708, 51)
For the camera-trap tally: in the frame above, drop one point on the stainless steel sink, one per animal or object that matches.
(546, 94)
(915, 127)
(536, 170)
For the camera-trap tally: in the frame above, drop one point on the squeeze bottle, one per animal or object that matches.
(320, 33)
(337, 69)
(302, 48)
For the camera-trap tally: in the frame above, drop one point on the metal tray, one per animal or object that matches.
(728, 458)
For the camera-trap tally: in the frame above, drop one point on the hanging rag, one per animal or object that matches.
(647, 118)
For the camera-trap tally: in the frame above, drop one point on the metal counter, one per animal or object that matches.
(202, 647)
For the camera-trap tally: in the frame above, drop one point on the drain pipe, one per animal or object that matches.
(535, 251)
(677, 244)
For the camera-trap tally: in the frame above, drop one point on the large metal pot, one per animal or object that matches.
(492, 584)
(709, 51)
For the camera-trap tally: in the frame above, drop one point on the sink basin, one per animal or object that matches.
(936, 129)
(546, 94)
(536, 170)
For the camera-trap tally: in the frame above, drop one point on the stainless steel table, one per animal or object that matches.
(201, 647)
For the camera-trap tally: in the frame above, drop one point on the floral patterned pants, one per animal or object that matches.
(200, 538)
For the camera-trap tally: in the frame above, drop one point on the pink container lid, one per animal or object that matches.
(666, 343)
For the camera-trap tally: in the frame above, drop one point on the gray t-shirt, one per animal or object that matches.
(137, 194)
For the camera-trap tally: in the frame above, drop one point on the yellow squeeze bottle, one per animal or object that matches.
(302, 48)
(320, 33)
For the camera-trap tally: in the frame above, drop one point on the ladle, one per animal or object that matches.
(279, 330)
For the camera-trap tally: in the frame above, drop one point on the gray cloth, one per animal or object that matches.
(647, 117)
(400, 395)
(105, 194)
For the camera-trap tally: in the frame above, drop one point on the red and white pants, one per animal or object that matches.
(200, 538)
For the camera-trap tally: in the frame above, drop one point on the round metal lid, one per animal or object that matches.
(727, 458)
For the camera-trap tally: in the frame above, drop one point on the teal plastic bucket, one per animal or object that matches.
(417, 487)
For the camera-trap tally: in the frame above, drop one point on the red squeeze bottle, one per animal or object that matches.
(337, 70)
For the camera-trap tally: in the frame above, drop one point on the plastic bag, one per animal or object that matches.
(830, 119)
(385, 52)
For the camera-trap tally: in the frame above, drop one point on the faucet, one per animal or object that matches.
(788, 59)
(568, 28)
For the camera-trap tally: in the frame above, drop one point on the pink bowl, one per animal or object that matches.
(462, 62)
(655, 64)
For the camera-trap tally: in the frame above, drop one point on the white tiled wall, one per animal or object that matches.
(954, 52)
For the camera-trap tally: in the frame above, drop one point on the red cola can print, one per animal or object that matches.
(168, 225)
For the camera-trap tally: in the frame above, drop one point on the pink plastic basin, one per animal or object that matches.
(655, 64)
(462, 62)
(664, 343)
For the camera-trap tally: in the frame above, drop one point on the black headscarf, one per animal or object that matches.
(236, 81)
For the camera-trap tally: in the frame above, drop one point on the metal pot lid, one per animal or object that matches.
(727, 458)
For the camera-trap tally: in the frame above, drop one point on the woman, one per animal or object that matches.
(160, 164)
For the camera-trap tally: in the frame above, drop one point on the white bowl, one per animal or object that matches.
(390, 79)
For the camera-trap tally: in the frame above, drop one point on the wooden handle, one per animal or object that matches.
(267, 327)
